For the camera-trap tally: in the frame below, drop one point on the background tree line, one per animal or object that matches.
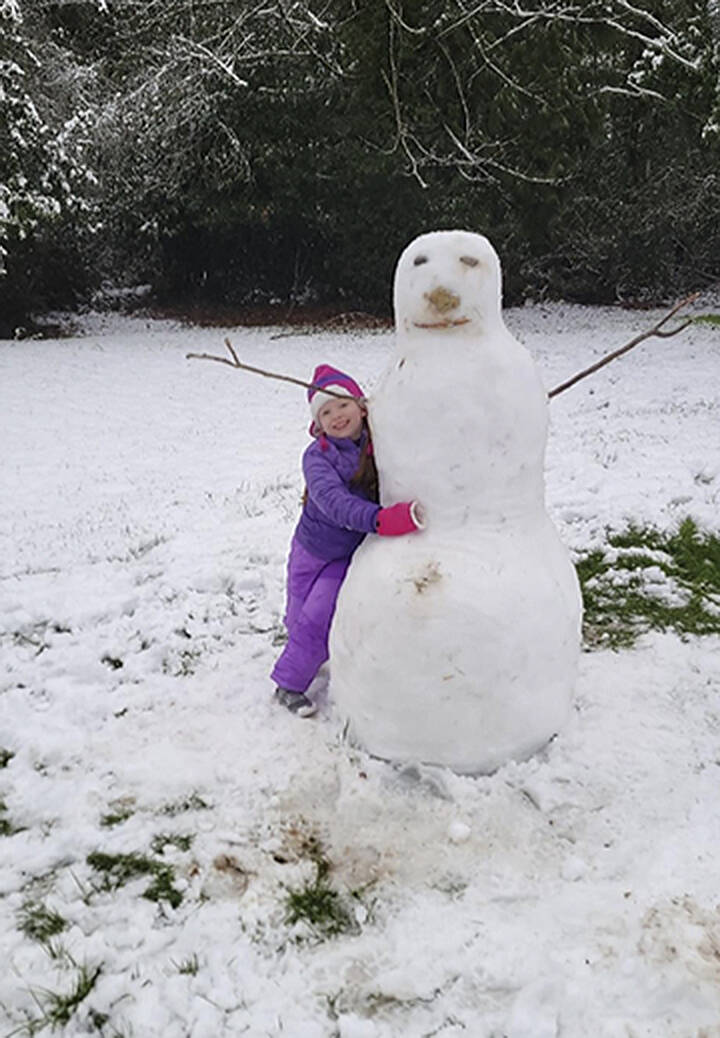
(240, 152)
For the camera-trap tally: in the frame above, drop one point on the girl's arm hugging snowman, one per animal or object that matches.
(340, 506)
(338, 499)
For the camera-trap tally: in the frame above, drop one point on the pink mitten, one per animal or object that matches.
(403, 517)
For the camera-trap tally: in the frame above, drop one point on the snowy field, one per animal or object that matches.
(146, 505)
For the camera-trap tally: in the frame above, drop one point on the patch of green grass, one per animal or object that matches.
(116, 817)
(650, 580)
(189, 966)
(318, 904)
(162, 889)
(40, 923)
(311, 848)
(183, 842)
(57, 1008)
(183, 663)
(7, 828)
(194, 802)
(57, 951)
(119, 869)
(97, 1020)
(5, 757)
(322, 907)
(113, 662)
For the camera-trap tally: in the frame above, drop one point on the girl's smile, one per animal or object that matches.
(341, 417)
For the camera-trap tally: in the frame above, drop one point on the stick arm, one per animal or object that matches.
(656, 330)
(237, 363)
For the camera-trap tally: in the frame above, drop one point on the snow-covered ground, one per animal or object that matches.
(146, 505)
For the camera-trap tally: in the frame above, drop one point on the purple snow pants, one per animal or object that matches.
(312, 589)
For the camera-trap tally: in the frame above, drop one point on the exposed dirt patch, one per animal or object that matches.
(430, 575)
(308, 318)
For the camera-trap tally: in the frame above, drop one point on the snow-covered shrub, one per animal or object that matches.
(45, 183)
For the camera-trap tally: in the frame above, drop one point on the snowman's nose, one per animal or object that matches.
(443, 300)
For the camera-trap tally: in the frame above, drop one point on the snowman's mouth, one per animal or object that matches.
(448, 323)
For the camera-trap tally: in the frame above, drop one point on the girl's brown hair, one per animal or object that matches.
(365, 475)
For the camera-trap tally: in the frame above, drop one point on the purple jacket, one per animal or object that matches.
(336, 517)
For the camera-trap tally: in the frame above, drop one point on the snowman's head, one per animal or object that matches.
(450, 282)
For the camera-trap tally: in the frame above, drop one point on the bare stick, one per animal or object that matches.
(237, 363)
(656, 330)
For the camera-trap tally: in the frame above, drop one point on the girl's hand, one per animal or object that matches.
(404, 517)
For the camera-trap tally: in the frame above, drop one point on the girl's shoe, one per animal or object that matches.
(296, 702)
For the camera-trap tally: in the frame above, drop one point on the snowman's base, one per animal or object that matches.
(458, 651)
(470, 770)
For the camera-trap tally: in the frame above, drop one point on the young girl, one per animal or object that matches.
(339, 508)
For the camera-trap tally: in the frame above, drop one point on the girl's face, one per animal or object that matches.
(341, 417)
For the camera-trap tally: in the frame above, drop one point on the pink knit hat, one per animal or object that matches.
(326, 377)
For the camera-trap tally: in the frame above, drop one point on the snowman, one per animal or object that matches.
(458, 645)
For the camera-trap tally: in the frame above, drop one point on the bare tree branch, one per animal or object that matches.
(656, 330)
(237, 363)
(193, 46)
(632, 90)
(397, 16)
(401, 131)
(578, 14)
(474, 161)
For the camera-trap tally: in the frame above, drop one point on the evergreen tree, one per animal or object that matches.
(45, 183)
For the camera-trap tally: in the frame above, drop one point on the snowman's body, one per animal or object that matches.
(458, 645)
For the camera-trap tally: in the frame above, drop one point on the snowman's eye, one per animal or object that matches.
(469, 261)
(419, 260)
